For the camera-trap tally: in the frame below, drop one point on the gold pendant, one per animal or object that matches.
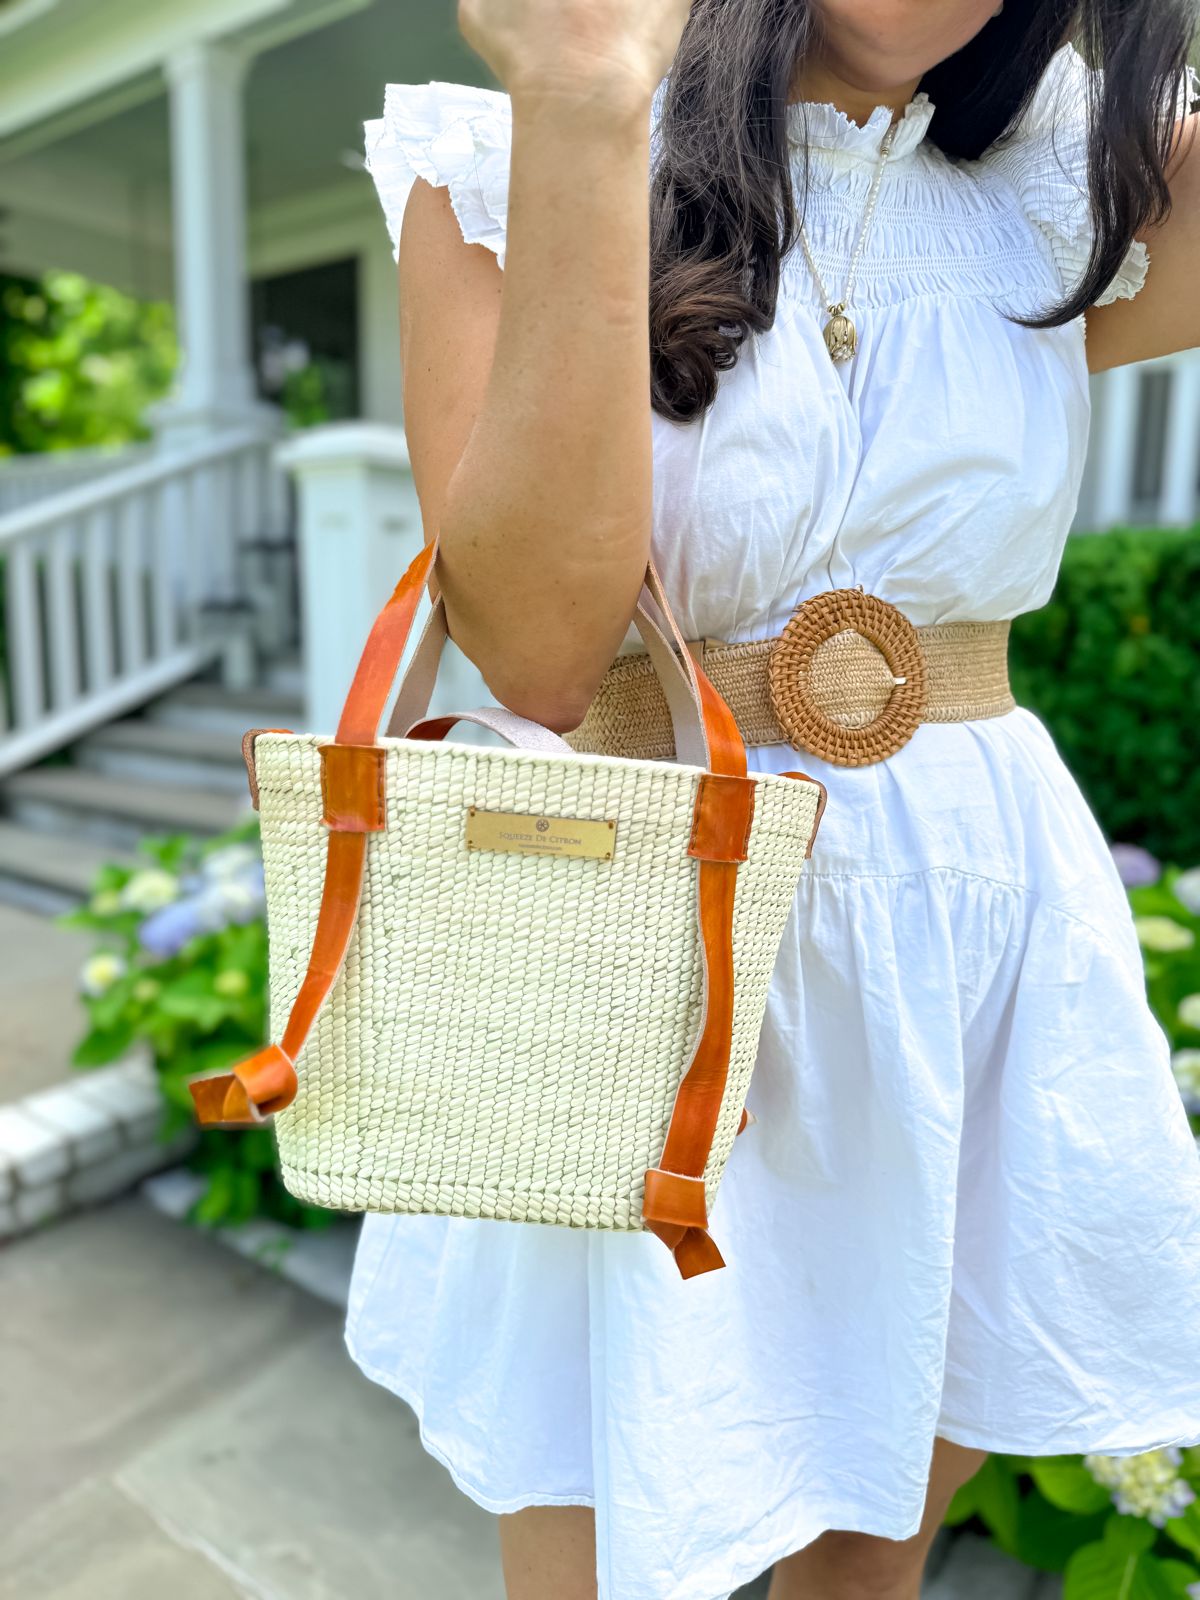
(841, 340)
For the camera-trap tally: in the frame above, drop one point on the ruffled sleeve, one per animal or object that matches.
(454, 136)
(1046, 159)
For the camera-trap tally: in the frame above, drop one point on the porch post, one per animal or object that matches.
(1181, 457)
(208, 197)
(1114, 444)
(360, 526)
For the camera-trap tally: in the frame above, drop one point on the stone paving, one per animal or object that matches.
(191, 1428)
(43, 1018)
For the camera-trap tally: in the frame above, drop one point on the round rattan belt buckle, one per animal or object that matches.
(813, 623)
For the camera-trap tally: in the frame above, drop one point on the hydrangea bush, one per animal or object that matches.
(1118, 1527)
(182, 969)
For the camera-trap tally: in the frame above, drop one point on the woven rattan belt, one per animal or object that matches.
(849, 679)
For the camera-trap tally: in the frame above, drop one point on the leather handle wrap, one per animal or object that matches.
(352, 774)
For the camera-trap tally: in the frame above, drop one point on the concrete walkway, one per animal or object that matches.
(191, 1428)
(44, 1018)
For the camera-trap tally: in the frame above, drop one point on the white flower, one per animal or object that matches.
(150, 890)
(231, 861)
(1185, 1064)
(1146, 1485)
(1189, 1011)
(1187, 890)
(100, 972)
(228, 901)
(1163, 934)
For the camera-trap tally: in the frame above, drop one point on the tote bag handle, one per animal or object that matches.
(352, 784)
(706, 733)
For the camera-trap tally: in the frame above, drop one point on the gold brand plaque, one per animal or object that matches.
(540, 836)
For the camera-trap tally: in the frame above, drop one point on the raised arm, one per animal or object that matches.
(527, 390)
(1165, 316)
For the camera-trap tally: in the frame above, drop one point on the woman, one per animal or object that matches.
(967, 1217)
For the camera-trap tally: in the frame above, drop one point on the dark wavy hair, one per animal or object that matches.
(723, 210)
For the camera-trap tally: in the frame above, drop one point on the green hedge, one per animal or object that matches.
(1112, 666)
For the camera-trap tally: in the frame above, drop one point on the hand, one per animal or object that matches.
(580, 51)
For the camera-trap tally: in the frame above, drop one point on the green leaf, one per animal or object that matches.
(962, 1504)
(217, 1201)
(1129, 1535)
(1185, 1529)
(102, 1045)
(1105, 1572)
(1068, 1484)
(1178, 1575)
(174, 1086)
(997, 1500)
(1047, 1536)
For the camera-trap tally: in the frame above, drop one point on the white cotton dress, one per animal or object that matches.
(970, 1205)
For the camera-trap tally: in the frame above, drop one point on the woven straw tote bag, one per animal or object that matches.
(521, 983)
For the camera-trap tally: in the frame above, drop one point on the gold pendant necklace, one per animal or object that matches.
(841, 336)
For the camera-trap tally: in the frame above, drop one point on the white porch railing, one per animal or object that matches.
(1144, 462)
(24, 480)
(106, 586)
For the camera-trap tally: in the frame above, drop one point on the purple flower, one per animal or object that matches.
(165, 932)
(1136, 867)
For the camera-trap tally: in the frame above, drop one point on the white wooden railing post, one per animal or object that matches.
(359, 527)
(1114, 443)
(1181, 459)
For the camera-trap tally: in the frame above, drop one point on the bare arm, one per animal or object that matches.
(527, 393)
(527, 406)
(1165, 315)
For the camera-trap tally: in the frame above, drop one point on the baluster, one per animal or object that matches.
(97, 598)
(167, 521)
(225, 544)
(62, 615)
(1115, 444)
(131, 597)
(24, 617)
(259, 463)
(249, 521)
(201, 508)
(258, 559)
(1181, 457)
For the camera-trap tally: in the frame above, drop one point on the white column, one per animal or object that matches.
(1181, 458)
(379, 331)
(1114, 447)
(360, 526)
(216, 386)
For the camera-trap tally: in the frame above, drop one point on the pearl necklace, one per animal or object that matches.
(841, 336)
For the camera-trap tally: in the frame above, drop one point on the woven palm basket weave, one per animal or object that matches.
(508, 1032)
(517, 983)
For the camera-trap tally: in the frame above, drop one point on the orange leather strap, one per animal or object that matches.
(674, 1206)
(352, 789)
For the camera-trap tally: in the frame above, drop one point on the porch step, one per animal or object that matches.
(112, 811)
(228, 711)
(50, 872)
(141, 750)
